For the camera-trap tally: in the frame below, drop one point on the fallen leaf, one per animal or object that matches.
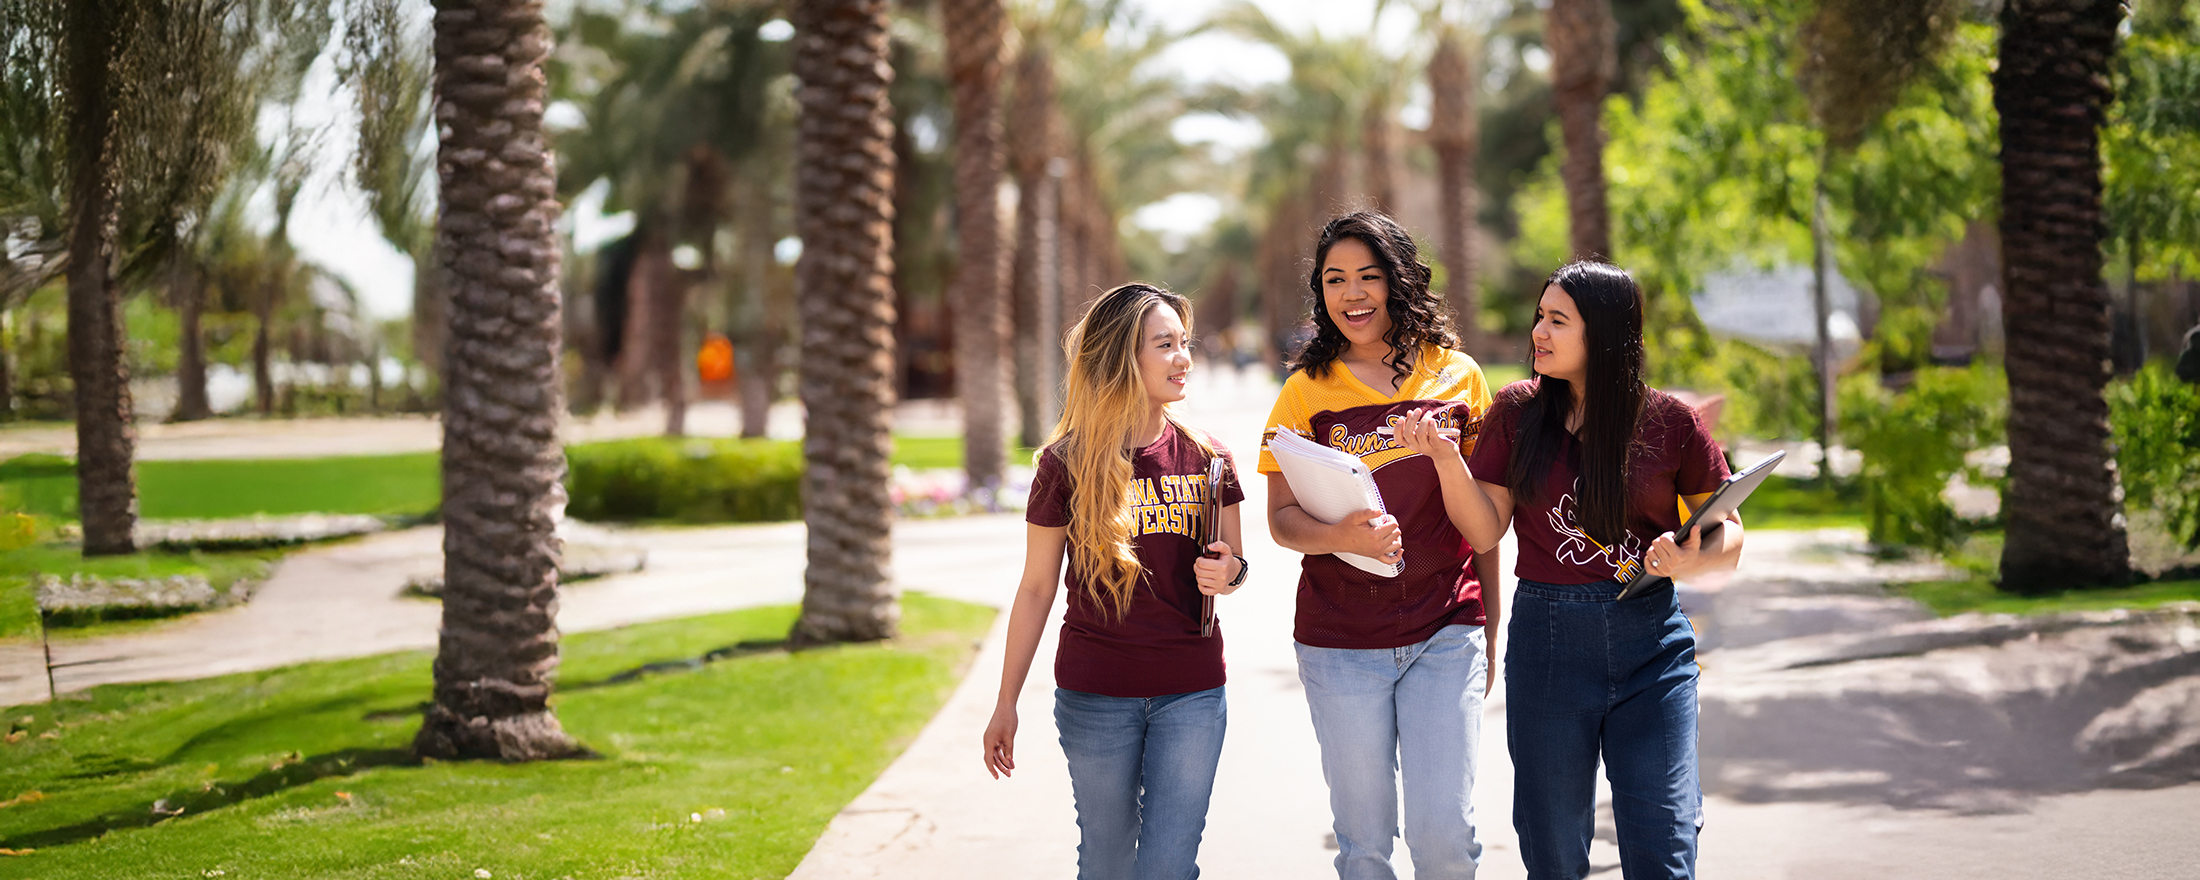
(51, 734)
(17, 736)
(28, 797)
(4, 851)
(344, 795)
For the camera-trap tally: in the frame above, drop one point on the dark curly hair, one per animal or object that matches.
(1417, 317)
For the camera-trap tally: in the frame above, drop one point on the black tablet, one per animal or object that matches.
(1712, 513)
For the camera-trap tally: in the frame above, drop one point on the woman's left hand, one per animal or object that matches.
(1214, 575)
(1679, 561)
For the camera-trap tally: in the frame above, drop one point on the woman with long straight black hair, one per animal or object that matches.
(1593, 470)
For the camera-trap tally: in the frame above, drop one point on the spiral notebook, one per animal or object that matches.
(1330, 483)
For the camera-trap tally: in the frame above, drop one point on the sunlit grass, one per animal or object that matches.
(407, 484)
(1980, 594)
(728, 769)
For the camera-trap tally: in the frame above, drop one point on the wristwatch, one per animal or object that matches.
(1244, 565)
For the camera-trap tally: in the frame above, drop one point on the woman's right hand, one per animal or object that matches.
(1000, 742)
(1371, 533)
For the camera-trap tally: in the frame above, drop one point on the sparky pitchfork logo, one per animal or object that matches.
(1624, 558)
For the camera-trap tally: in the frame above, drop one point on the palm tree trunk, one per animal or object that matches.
(1377, 175)
(844, 179)
(975, 30)
(7, 372)
(1033, 281)
(498, 648)
(190, 300)
(760, 378)
(263, 374)
(105, 437)
(2064, 521)
(1583, 38)
(669, 343)
(635, 366)
(430, 316)
(1455, 134)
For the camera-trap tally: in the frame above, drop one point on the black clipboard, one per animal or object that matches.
(1211, 531)
(1724, 500)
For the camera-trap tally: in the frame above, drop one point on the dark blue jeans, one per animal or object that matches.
(1586, 676)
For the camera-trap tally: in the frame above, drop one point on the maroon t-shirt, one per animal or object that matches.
(1674, 457)
(1155, 648)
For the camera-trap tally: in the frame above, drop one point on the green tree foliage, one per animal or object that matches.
(2150, 148)
(2156, 422)
(1915, 441)
(1716, 164)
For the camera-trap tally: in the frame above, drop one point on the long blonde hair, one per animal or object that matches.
(1103, 402)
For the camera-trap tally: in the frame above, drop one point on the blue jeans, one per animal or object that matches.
(1587, 676)
(1417, 709)
(1141, 769)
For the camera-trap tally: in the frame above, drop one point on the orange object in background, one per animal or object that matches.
(714, 362)
(714, 365)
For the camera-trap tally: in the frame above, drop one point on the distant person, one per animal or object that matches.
(1395, 668)
(1120, 490)
(2188, 361)
(1593, 470)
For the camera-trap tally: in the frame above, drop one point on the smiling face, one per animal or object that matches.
(1164, 355)
(1560, 338)
(1355, 290)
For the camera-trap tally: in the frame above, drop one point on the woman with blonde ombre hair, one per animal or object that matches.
(1121, 491)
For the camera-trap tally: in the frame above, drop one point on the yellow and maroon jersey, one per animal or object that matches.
(1340, 606)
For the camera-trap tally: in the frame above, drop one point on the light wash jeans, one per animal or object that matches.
(1588, 676)
(1416, 709)
(1142, 770)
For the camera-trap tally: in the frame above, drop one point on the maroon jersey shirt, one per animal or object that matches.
(1155, 648)
(1674, 457)
(1341, 606)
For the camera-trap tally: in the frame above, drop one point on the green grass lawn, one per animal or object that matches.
(1501, 375)
(18, 609)
(1979, 594)
(381, 485)
(921, 453)
(405, 484)
(302, 771)
(1783, 503)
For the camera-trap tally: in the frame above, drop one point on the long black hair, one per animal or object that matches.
(1416, 317)
(1609, 306)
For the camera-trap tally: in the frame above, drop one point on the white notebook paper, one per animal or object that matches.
(1330, 483)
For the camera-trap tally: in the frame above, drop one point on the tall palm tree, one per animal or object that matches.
(1453, 132)
(1582, 39)
(1378, 162)
(501, 459)
(94, 35)
(844, 181)
(1034, 146)
(2064, 521)
(975, 30)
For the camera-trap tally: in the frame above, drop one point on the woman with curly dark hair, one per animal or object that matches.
(1389, 662)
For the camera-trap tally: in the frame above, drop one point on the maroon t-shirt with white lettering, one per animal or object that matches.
(1674, 457)
(1155, 648)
